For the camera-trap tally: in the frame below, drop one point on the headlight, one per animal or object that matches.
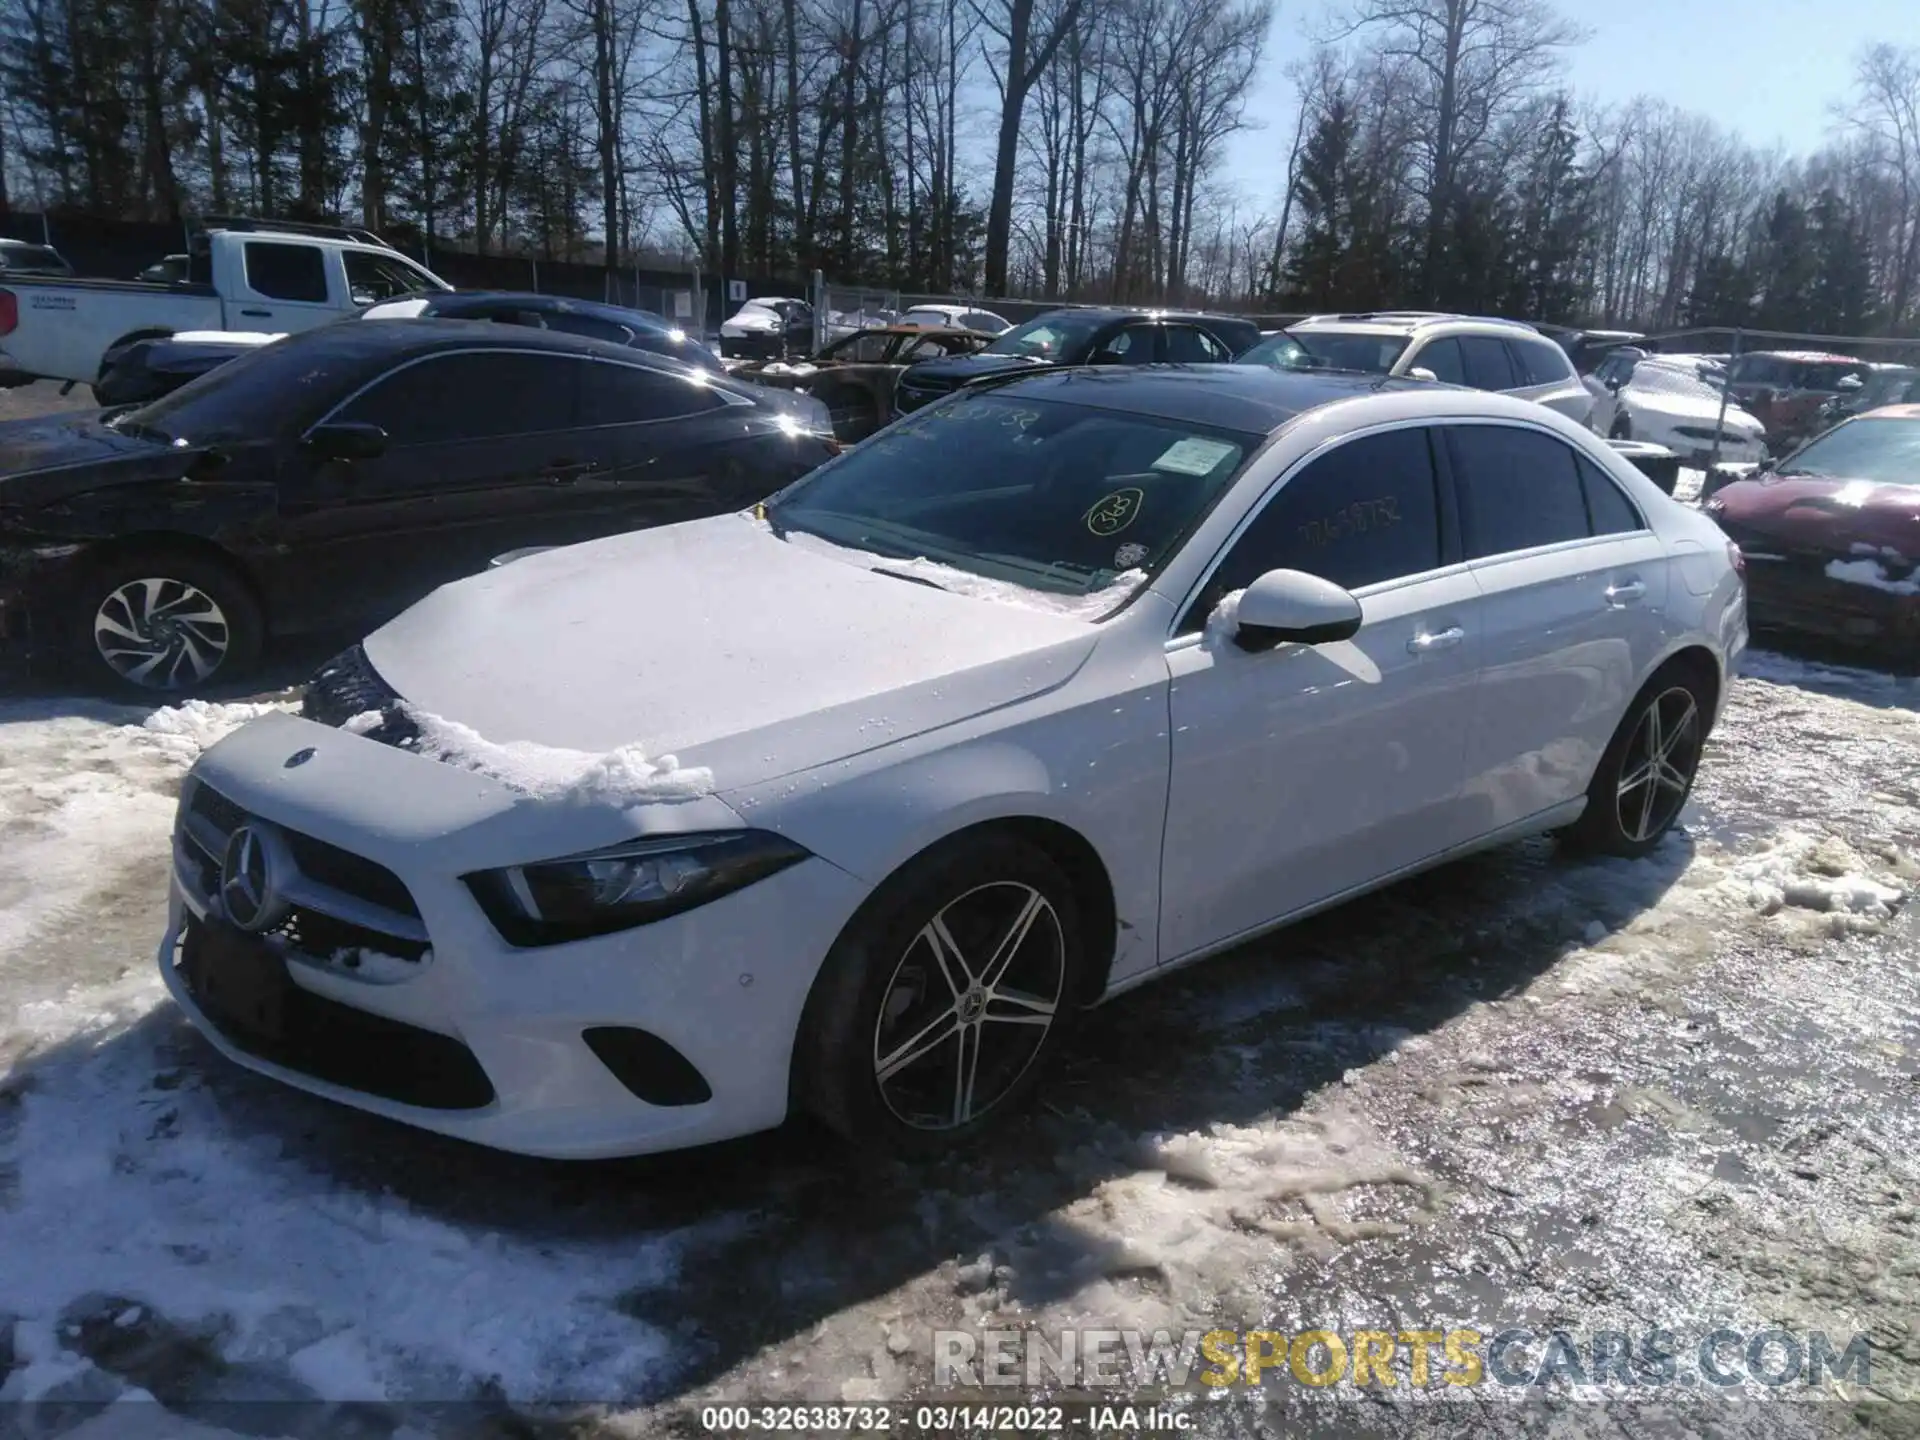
(622, 886)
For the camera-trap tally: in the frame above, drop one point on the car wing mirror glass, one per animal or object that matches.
(1291, 606)
(346, 440)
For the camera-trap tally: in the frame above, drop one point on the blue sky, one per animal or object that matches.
(1767, 69)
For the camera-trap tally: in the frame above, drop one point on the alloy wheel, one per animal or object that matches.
(161, 634)
(1657, 771)
(969, 1006)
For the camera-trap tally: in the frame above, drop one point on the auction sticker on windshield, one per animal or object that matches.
(1194, 456)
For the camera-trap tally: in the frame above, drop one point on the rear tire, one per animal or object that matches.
(943, 1000)
(161, 623)
(1646, 773)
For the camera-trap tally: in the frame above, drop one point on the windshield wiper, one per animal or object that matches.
(134, 429)
(911, 579)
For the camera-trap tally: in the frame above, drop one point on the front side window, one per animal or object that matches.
(1132, 346)
(1443, 358)
(1517, 488)
(1365, 512)
(372, 278)
(474, 395)
(1052, 496)
(281, 271)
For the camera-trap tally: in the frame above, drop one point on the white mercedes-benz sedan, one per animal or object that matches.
(847, 805)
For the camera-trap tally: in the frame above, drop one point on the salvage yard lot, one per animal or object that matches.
(1520, 1091)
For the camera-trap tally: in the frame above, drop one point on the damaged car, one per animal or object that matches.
(855, 376)
(336, 476)
(1666, 402)
(1831, 532)
(847, 805)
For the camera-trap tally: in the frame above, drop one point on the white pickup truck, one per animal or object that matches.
(260, 279)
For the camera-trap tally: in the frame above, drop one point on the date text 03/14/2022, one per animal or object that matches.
(941, 1419)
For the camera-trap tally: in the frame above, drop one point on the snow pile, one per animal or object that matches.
(619, 778)
(1873, 574)
(183, 731)
(1823, 874)
(123, 1166)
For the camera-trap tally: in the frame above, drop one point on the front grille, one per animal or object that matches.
(351, 1048)
(340, 900)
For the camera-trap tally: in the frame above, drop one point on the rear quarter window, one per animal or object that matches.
(1540, 363)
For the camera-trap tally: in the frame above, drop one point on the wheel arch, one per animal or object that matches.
(1699, 663)
(174, 542)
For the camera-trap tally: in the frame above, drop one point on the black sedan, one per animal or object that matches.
(336, 476)
(145, 370)
(1090, 336)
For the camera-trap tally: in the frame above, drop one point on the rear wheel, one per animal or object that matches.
(938, 1008)
(162, 623)
(1647, 772)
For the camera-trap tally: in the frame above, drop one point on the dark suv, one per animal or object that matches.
(1086, 337)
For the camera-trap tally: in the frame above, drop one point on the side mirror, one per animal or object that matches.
(1106, 357)
(1291, 606)
(346, 440)
(1420, 372)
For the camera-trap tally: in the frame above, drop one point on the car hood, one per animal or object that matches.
(1824, 514)
(957, 370)
(749, 322)
(1695, 408)
(721, 644)
(50, 458)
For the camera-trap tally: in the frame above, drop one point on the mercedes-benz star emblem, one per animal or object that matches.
(251, 872)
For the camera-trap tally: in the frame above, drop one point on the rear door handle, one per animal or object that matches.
(258, 314)
(1628, 592)
(562, 472)
(1431, 640)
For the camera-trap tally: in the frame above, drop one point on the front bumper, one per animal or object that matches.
(1794, 592)
(723, 985)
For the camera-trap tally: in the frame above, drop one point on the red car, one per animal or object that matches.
(1786, 388)
(1831, 532)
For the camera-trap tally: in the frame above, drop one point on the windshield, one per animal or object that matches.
(1050, 496)
(1049, 337)
(1650, 378)
(1328, 350)
(1886, 452)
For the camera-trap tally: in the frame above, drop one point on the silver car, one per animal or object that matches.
(1502, 355)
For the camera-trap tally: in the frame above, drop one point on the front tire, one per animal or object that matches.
(940, 1005)
(159, 623)
(1647, 772)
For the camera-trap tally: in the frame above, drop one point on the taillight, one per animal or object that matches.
(9, 312)
(1737, 560)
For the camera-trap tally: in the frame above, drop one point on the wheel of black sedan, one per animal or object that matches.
(164, 624)
(1647, 772)
(937, 1009)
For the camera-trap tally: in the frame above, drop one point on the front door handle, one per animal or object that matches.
(1627, 592)
(564, 472)
(258, 314)
(1431, 640)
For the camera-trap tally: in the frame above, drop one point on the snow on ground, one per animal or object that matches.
(1670, 1091)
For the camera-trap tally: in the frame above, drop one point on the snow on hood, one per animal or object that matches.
(621, 777)
(715, 642)
(1682, 396)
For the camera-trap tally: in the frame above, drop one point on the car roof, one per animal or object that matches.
(1249, 398)
(443, 301)
(1409, 322)
(1142, 312)
(429, 334)
(919, 331)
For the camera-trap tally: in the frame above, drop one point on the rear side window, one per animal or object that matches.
(477, 395)
(1131, 346)
(286, 272)
(1609, 510)
(1540, 363)
(1488, 367)
(1365, 512)
(616, 394)
(975, 320)
(1518, 489)
(1442, 357)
